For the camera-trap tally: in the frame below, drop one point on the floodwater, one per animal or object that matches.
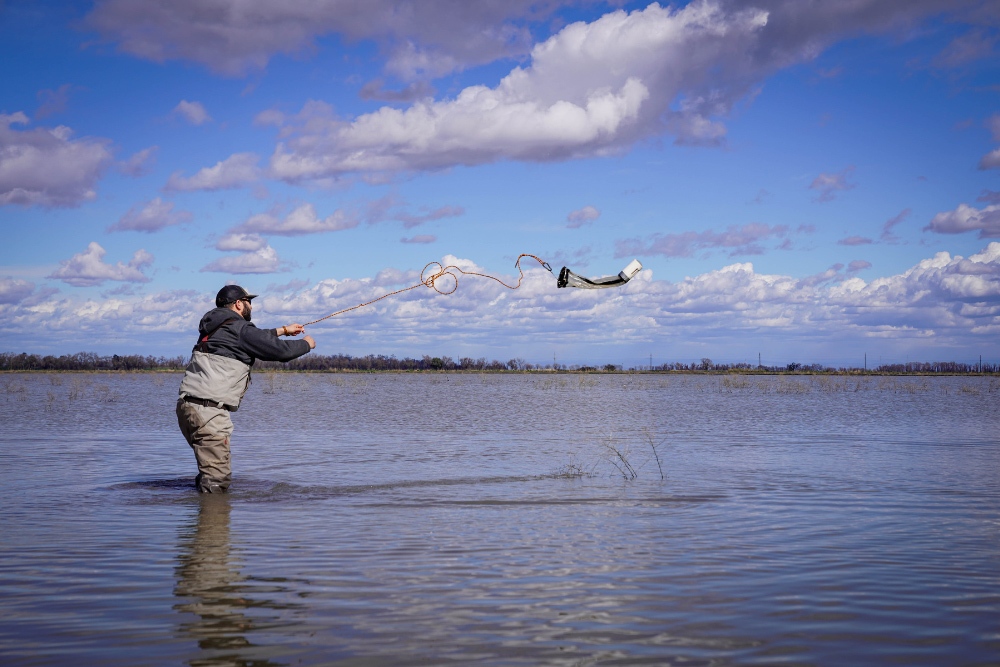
(398, 519)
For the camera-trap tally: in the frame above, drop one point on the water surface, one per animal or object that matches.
(505, 520)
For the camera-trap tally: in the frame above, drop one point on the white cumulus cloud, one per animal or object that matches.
(591, 89)
(262, 260)
(150, 216)
(941, 298)
(940, 301)
(241, 242)
(88, 268)
(235, 171)
(422, 38)
(303, 220)
(68, 318)
(582, 216)
(192, 112)
(595, 88)
(14, 291)
(139, 163)
(419, 37)
(991, 160)
(943, 283)
(46, 166)
(967, 218)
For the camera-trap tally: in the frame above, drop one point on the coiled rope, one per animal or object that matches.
(431, 282)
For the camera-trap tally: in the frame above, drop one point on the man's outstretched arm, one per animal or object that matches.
(266, 346)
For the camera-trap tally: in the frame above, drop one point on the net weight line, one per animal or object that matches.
(431, 282)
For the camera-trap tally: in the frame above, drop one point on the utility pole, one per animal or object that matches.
(866, 361)
(651, 361)
(758, 360)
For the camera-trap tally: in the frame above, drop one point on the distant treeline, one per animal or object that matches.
(89, 361)
(910, 367)
(381, 362)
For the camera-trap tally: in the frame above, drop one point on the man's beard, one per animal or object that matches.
(246, 314)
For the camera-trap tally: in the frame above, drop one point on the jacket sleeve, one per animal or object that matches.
(266, 346)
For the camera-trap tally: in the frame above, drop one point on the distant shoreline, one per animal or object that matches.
(345, 363)
(537, 371)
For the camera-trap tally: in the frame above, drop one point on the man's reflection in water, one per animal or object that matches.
(211, 586)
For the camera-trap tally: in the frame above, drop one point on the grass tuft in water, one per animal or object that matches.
(627, 459)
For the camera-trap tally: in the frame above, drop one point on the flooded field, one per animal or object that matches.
(505, 520)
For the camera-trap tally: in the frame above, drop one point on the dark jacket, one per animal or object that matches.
(229, 335)
(228, 345)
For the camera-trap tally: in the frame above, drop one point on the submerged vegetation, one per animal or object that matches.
(89, 361)
(622, 454)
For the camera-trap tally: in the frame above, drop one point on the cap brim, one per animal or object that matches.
(251, 296)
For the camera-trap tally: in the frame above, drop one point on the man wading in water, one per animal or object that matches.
(219, 375)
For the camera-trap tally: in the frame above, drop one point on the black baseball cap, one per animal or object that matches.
(231, 294)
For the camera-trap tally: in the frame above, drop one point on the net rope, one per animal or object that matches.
(430, 281)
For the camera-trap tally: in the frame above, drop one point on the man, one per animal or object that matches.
(218, 376)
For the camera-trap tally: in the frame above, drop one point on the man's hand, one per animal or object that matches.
(291, 330)
(309, 339)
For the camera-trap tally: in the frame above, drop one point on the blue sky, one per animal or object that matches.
(812, 182)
